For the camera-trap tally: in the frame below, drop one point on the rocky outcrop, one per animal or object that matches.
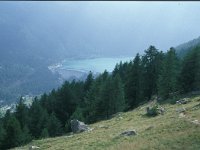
(181, 110)
(78, 126)
(183, 101)
(155, 110)
(33, 147)
(128, 133)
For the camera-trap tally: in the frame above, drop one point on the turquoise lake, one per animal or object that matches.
(93, 64)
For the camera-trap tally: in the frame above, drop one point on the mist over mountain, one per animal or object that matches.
(184, 48)
(34, 35)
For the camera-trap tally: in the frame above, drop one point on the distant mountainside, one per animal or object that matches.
(32, 37)
(186, 47)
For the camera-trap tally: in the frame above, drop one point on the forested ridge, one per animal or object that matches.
(154, 74)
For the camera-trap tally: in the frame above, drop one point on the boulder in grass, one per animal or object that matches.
(33, 147)
(128, 133)
(78, 126)
(183, 101)
(181, 110)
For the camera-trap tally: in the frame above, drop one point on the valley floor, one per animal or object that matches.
(173, 130)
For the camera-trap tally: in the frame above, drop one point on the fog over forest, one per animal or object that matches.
(35, 35)
(99, 28)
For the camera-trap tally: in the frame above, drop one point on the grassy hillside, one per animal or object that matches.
(173, 130)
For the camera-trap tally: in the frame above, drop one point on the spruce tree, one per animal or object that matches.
(22, 113)
(169, 74)
(38, 118)
(118, 96)
(54, 126)
(44, 133)
(133, 87)
(189, 77)
(13, 136)
(151, 63)
(2, 135)
(88, 81)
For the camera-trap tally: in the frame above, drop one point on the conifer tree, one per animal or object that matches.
(133, 87)
(189, 77)
(13, 133)
(54, 126)
(169, 74)
(151, 63)
(44, 133)
(2, 135)
(22, 113)
(38, 118)
(118, 96)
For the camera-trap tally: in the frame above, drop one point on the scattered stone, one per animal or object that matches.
(78, 126)
(150, 112)
(155, 110)
(161, 110)
(104, 127)
(90, 129)
(196, 122)
(119, 118)
(129, 133)
(69, 136)
(181, 115)
(181, 110)
(183, 101)
(119, 114)
(34, 147)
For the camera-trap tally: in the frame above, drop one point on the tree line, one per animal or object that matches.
(129, 85)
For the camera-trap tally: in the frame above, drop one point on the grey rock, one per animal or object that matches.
(183, 101)
(104, 127)
(181, 110)
(34, 147)
(117, 115)
(129, 133)
(196, 122)
(78, 126)
(181, 115)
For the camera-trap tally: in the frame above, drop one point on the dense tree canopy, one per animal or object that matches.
(129, 85)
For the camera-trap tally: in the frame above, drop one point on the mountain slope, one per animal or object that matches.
(186, 47)
(172, 130)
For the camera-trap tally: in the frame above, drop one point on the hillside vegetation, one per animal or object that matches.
(184, 48)
(154, 74)
(170, 131)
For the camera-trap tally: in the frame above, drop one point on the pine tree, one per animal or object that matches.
(133, 87)
(54, 126)
(2, 135)
(189, 77)
(45, 133)
(25, 135)
(38, 118)
(22, 113)
(88, 81)
(169, 74)
(91, 101)
(151, 63)
(13, 133)
(118, 96)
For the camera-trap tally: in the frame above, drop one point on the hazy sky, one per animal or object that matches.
(162, 24)
(126, 27)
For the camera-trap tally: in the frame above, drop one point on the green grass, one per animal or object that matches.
(168, 132)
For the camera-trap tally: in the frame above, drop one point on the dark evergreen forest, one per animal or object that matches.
(154, 74)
